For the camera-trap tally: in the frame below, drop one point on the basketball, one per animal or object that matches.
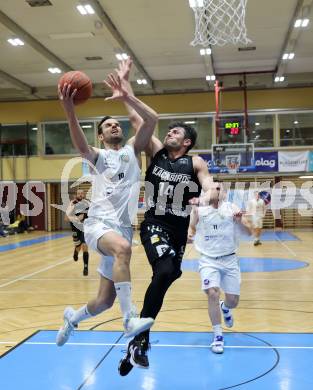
(79, 81)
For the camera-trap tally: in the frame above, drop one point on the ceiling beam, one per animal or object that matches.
(31, 41)
(301, 11)
(17, 83)
(104, 17)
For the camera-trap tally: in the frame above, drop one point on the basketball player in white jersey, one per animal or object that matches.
(116, 182)
(216, 225)
(256, 209)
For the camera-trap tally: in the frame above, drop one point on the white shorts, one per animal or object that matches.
(257, 222)
(94, 229)
(223, 273)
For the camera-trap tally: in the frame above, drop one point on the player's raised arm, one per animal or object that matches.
(79, 140)
(202, 173)
(148, 115)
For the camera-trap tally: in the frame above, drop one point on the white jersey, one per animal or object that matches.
(115, 186)
(217, 233)
(256, 208)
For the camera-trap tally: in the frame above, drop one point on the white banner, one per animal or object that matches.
(293, 161)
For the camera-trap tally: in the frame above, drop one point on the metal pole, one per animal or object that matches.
(246, 119)
(217, 115)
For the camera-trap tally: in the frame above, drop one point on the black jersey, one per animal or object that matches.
(169, 185)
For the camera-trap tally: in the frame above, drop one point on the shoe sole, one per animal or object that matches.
(130, 367)
(139, 330)
(217, 352)
(134, 364)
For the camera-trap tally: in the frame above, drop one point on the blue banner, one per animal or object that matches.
(266, 161)
(263, 162)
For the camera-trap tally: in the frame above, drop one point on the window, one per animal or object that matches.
(296, 129)
(18, 140)
(58, 140)
(261, 130)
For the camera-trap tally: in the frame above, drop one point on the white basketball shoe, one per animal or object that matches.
(134, 325)
(67, 328)
(217, 345)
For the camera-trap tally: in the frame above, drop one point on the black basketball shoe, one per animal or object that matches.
(125, 366)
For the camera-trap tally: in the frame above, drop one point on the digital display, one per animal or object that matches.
(232, 128)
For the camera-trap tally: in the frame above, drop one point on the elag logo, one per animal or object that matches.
(265, 163)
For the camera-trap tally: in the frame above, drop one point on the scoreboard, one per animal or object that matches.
(232, 127)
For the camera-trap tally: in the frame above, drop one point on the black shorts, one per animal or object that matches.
(78, 237)
(160, 241)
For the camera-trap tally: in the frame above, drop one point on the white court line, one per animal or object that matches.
(168, 345)
(36, 272)
(287, 247)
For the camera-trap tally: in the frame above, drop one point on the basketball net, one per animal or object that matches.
(232, 163)
(219, 22)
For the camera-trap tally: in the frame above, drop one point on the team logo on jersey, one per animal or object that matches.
(154, 239)
(183, 161)
(124, 157)
(206, 282)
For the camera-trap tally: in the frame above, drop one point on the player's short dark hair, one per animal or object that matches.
(190, 132)
(99, 127)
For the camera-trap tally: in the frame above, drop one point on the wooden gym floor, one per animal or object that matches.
(38, 279)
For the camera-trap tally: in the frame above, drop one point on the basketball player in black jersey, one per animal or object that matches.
(173, 178)
(76, 214)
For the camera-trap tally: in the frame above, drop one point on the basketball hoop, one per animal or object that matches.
(218, 22)
(232, 163)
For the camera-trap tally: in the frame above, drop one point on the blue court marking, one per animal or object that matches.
(39, 240)
(273, 236)
(254, 264)
(178, 360)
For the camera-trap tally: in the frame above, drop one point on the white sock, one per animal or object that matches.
(217, 329)
(80, 315)
(123, 292)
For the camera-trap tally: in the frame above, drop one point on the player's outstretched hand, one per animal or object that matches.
(118, 90)
(66, 96)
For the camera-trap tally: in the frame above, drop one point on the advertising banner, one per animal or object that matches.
(293, 161)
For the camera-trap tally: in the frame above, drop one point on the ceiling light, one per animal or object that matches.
(302, 22)
(142, 81)
(257, 123)
(210, 77)
(279, 79)
(298, 23)
(288, 56)
(86, 126)
(305, 177)
(34, 128)
(190, 122)
(121, 56)
(288, 131)
(85, 9)
(206, 52)
(16, 42)
(196, 3)
(295, 122)
(54, 70)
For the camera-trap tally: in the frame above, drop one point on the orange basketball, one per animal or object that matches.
(79, 81)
